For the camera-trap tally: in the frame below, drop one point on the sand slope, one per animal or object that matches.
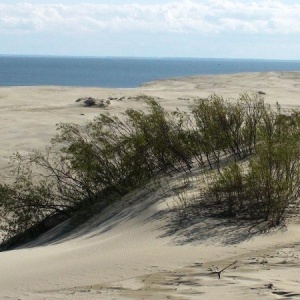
(138, 249)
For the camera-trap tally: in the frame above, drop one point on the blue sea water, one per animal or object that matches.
(121, 72)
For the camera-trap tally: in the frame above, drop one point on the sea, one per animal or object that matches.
(118, 72)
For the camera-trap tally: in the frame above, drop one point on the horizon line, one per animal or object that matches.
(142, 57)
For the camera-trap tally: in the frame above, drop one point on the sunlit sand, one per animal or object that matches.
(136, 250)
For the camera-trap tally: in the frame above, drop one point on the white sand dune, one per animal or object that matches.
(137, 249)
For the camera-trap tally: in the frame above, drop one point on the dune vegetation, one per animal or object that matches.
(249, 149)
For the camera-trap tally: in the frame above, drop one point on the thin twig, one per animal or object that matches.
(219, 272)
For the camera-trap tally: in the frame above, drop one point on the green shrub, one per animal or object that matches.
(271, 181)
(222, 127)
(111, 156)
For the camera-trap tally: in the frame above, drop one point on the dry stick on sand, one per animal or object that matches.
(219, 272)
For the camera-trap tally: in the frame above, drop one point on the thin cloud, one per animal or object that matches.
(215, 16)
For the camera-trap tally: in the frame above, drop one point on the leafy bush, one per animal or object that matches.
(222, 127)
(86, 165)
(271, 181)
(111, 156)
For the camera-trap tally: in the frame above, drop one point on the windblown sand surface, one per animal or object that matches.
(139, 250)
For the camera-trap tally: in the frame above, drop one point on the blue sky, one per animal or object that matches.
(156, 28)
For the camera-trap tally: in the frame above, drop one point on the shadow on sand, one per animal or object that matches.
(197, 228)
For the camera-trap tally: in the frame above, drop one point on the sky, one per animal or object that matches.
(264, 29)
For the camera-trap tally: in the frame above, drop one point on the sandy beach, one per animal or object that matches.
(136, 250)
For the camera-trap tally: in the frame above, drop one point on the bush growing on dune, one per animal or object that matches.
(111, 156)
(162, 136)
(271, 181)
(45, 185)
(124, 154)
(222, 127)
(86, 165)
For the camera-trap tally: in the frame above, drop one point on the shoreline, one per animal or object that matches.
(123, 72)
(155, 81)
